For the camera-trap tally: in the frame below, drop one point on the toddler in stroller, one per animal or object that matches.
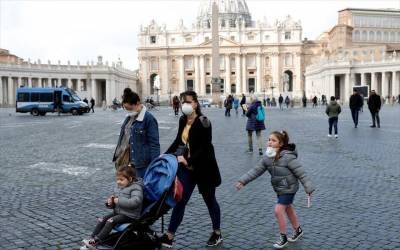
(161, 192)
(126, 203)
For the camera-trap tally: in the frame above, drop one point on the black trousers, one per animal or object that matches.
(106, 224)
(375, 117)
(354, 115)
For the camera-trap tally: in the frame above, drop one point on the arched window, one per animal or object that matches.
(356, 35)
(371, 36)
(364, 36)
(208, 89)
(267, 61)
(233, 88)
(288, 81)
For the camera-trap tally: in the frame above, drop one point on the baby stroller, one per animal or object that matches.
(161, 192)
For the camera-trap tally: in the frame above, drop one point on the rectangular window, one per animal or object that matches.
(46, 97)
(250, 37)
(207, 39)
(188, 40)
(287, 35)
(66, 98)
(233, 73)
(152, 39)
(34, 97)
(23, 97)
(233, 38)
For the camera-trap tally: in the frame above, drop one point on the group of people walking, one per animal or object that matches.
(138, 145)
(356, 103)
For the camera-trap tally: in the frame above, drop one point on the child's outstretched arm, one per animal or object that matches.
(296, 168)
(258, 170)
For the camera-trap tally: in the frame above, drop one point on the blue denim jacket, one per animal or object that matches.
(144, 141)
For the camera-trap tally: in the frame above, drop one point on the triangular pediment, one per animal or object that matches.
(223, 43)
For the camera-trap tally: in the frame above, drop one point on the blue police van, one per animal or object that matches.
(39, 101)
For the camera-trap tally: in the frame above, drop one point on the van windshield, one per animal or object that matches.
(75, 97)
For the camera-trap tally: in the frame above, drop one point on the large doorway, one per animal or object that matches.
(252, 85)
(189, 85)
(288, 81)
(152, 81)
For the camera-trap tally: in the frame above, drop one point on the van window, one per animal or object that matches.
(46, 97)
(34, 97)
(23, 97)
(66, 98)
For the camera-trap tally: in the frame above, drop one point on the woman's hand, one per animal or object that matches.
(239, 186)
(182, 160)
(116, 200)
(110, 200)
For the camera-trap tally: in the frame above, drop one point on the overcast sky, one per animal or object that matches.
(81, 30)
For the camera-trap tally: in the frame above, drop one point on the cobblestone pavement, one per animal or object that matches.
(56, 172)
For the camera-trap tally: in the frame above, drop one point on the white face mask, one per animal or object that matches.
(187, 109)
(270, 152)
(132, 112)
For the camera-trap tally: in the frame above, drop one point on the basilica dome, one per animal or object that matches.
(231, 13)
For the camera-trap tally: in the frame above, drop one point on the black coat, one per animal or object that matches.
(356, 101)
(374, 103)
(202, 155)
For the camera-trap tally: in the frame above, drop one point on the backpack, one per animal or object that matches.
(260, 114)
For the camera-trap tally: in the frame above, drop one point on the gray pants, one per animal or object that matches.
(106, 224)
(375, 117)
(250, 139)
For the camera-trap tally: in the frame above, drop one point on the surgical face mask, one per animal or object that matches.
(187, 109)
(132, 112)
(270, 152)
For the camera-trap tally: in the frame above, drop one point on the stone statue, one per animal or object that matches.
(157, 83)
(285, 82)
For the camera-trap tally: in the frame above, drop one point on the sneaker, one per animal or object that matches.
(249, 151)
(214, 240)
(296, 235)
(336, 136)
(282, 242)
(165, 241)
(329, 135)
(372, 126)
(90, 244)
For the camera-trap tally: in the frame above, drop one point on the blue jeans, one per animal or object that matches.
(333, 122)
(189, 183)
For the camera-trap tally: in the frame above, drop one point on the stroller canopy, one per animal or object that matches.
(159, 177)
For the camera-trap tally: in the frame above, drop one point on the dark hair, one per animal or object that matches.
(282, 136)
(194, 96)
(333, 98)
(127, 171)
(130, 97)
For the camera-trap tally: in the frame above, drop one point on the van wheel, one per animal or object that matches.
(35, 112)
(74, 112)
(42, 113)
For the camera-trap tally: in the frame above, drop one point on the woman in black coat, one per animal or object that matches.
(197, 166)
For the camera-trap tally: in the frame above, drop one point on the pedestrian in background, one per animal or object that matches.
(355, 103)
(315, 101)
(374, 106)
(333, 110)
(280, 100)
(236, 105)
(92, 103)
(286, 171)
(243, 104)
(176, 104)
(228, 103)
(287, 101)
(255, 124)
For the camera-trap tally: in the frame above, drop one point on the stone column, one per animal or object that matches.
(297, 86)
(238, 74)
(181, 74)
(276, 78)
(30, 82)
(202, 76)
(352, 82)
(78, 85)
(227, 74)
(108, 92)
(11, 91)
(59, 82)
(19, 80)
(196, 74)
(395, 84)
(385, 87)
(165, 70)
(346, 88)
(2, 95)
(93, 90)
(244, 74)
(373, 82)
(331, 84)
(363, 83)
(259, 74)
(69, 83)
